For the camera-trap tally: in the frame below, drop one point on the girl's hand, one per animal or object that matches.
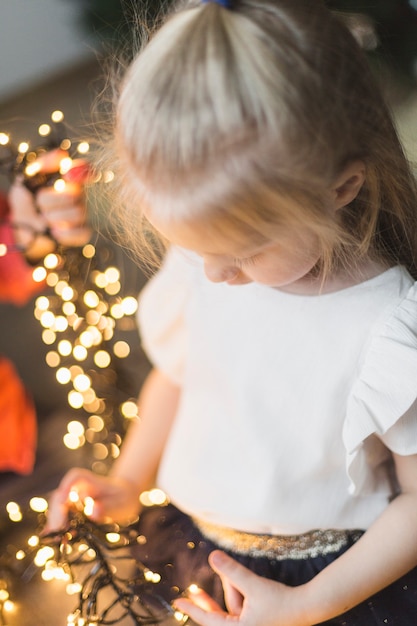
(62, 211)
(250, 599)
(113, 497)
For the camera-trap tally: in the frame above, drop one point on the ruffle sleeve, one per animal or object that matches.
(162, 310)
(383, 399)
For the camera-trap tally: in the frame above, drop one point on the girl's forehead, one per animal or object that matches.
(207, 237)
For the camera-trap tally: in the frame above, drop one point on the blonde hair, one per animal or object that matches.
(244, 117)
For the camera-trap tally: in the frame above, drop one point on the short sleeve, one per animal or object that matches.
(383, 399)
(161, 313)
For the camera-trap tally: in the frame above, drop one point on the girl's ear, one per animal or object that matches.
(348, 184)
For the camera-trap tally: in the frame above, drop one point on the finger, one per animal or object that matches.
(202, 617)
(233, 598)
(200, 598)
(232, 573)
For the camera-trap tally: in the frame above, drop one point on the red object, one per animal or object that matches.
(17, 423)
(16, 282)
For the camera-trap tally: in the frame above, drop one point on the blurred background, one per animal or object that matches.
(52, 54)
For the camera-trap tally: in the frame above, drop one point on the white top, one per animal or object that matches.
(290, 403)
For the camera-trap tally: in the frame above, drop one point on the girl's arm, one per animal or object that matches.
(387, 551)
(145, 441)
(116, 495)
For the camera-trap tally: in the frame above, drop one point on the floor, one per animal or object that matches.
(38, 602)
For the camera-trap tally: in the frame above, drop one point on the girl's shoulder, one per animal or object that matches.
(383, 400)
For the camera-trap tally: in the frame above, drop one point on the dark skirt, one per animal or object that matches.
(175, 548)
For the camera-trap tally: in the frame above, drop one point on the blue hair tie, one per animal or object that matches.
(223, 3)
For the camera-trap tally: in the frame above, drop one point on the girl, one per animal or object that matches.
(281, 416)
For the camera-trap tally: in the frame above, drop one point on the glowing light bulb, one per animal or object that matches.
(121, 349)
(88, 507)
(4, 139)
(102, 358)
(82, 382)
(23, 147)
(57, 116)
(75, 428)
(37, 504)
(60, 185)
(44, 130)
(129, 305)
(51, 261)
(39, 274)
(129, 409)
(83, 147)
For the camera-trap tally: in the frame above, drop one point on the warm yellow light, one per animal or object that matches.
(44, 130)
(113, 537)
(88, 507)
(3, 249)
(91, 299)
(102, 358)
(33, 541)
(4, 139)
(51, 261)
(73, 588)
(53, 359)
(82, 382)
(39, 505)
(71, 441)
(32, 169)
(61, 324)
(100, 451)
(96, 423)
(129, 409)
(12, 507)
(83, 147)
(48, 337)
(66, 144)
(121, 349)
(113, 288)
(112, 274)
(117, 311)
(52, 279)
(20, 555)
(75, 428)
(57, 116)
(68, 308)
(65, 165)
(23, 147)
(42, 303)
(129, 305)
(39, 274)
(89, 251)
(4, 594)
(80, 353)
(101, 280)
(67, 293)
(9, 606)
(92, 317)
(60, 185)
(180, 617)
(75, 399)
(108, 176)
(65, 347)
(47, 319)
(86, 339)
(43, 555)
(153, 497)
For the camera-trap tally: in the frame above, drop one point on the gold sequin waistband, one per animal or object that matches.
(278, 547)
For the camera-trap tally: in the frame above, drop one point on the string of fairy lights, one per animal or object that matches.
(80, 312)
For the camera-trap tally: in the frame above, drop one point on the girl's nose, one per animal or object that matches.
(218, 271)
